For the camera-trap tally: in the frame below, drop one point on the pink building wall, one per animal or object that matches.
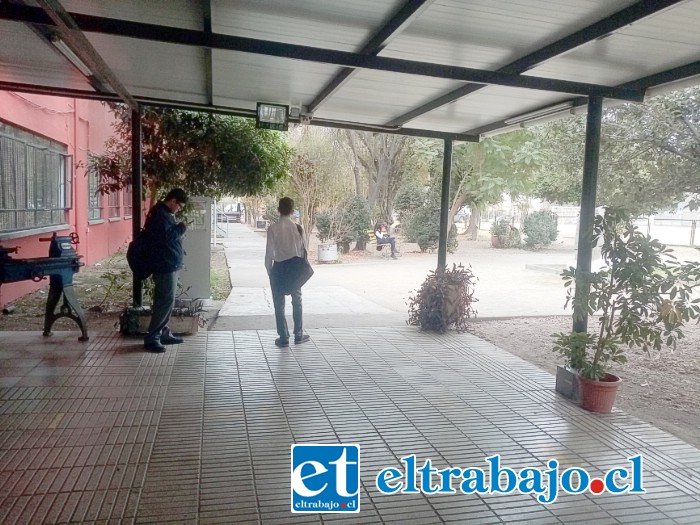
(82, 126)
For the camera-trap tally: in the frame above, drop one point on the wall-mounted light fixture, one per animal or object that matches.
(71, 56)
(557, 109)
(272, 116)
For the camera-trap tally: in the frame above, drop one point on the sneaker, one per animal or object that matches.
(282, 343)
(170, 340)
(154, 346)
(393, 256)
(301, 339)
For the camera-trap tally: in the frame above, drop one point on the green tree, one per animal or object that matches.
(483, 172)
(206, 154)
(540, 229)
(649, 158)
(423, 226)
(382, 157)
(322, 180)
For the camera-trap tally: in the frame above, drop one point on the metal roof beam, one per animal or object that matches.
(327, 56)
(614, 22)
(238, 112)
(646, 83)
(81, 46)
(208, 59)
(397, 23)
(665, 77)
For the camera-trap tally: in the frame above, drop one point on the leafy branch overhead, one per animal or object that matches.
(649, 156)
(206, 154)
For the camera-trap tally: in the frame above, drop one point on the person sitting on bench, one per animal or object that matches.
(383, 237)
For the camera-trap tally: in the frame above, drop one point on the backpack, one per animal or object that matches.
(137, 255)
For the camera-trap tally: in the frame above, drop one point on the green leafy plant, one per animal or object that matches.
(643, 297)
(423, 228)
(540, 228)
(345, 223)
(508, 235)
(445, 298)
(116, 278)
(271, 214)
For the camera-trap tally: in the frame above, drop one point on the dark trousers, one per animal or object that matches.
(278, 300)
(388, 240)
(163, 302)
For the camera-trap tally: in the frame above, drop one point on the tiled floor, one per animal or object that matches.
(102, 431)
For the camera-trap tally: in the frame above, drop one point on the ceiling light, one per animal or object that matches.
(543, 112)
(68, 53)
(272, 116)
(499, 131)
(547, 118)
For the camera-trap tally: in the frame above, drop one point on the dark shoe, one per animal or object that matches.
(393, 256)
(154, 346)
(170, 340)
(302, 339)
(282, 343)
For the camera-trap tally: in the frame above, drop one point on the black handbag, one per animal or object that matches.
(292, 274)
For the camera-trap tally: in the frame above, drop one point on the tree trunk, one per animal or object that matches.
(474, 221)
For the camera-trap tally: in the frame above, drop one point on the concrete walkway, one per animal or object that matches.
(374, 291)
(102, 432)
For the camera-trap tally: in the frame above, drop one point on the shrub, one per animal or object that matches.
(540, 229)
(357, 220)
(423, 227)
(347, 223)
(408, 200)
(508, 235)
(324, 222)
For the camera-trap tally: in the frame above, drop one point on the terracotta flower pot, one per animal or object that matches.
(599, 396)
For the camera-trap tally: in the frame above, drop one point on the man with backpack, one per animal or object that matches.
(165, 255)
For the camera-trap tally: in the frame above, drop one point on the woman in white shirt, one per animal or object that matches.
(383, 237)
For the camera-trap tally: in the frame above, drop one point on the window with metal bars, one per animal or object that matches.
(126, 201)
(35, 181)
(113, 204)
(94, 197)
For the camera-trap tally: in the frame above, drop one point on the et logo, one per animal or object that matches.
(325, 478)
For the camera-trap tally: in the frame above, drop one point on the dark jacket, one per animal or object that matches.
(165, 239)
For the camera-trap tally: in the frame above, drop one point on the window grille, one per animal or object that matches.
(35, 181)
(94, 197)
(113, 203)
(126, 201)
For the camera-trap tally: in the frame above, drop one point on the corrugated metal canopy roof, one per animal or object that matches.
(445, 68)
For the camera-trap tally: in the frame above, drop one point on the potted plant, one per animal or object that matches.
(445, 298)
(504, 234)
(643, 297)
(331, 231)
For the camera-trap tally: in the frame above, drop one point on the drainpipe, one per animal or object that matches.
(136, 193)
(588, 194)
(445, 204)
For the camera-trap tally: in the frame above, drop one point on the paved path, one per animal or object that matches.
(103, 432)
(374, 291)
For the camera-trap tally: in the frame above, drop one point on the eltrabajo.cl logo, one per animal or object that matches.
(325, 478)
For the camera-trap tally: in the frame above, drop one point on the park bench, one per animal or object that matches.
(383, 249)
